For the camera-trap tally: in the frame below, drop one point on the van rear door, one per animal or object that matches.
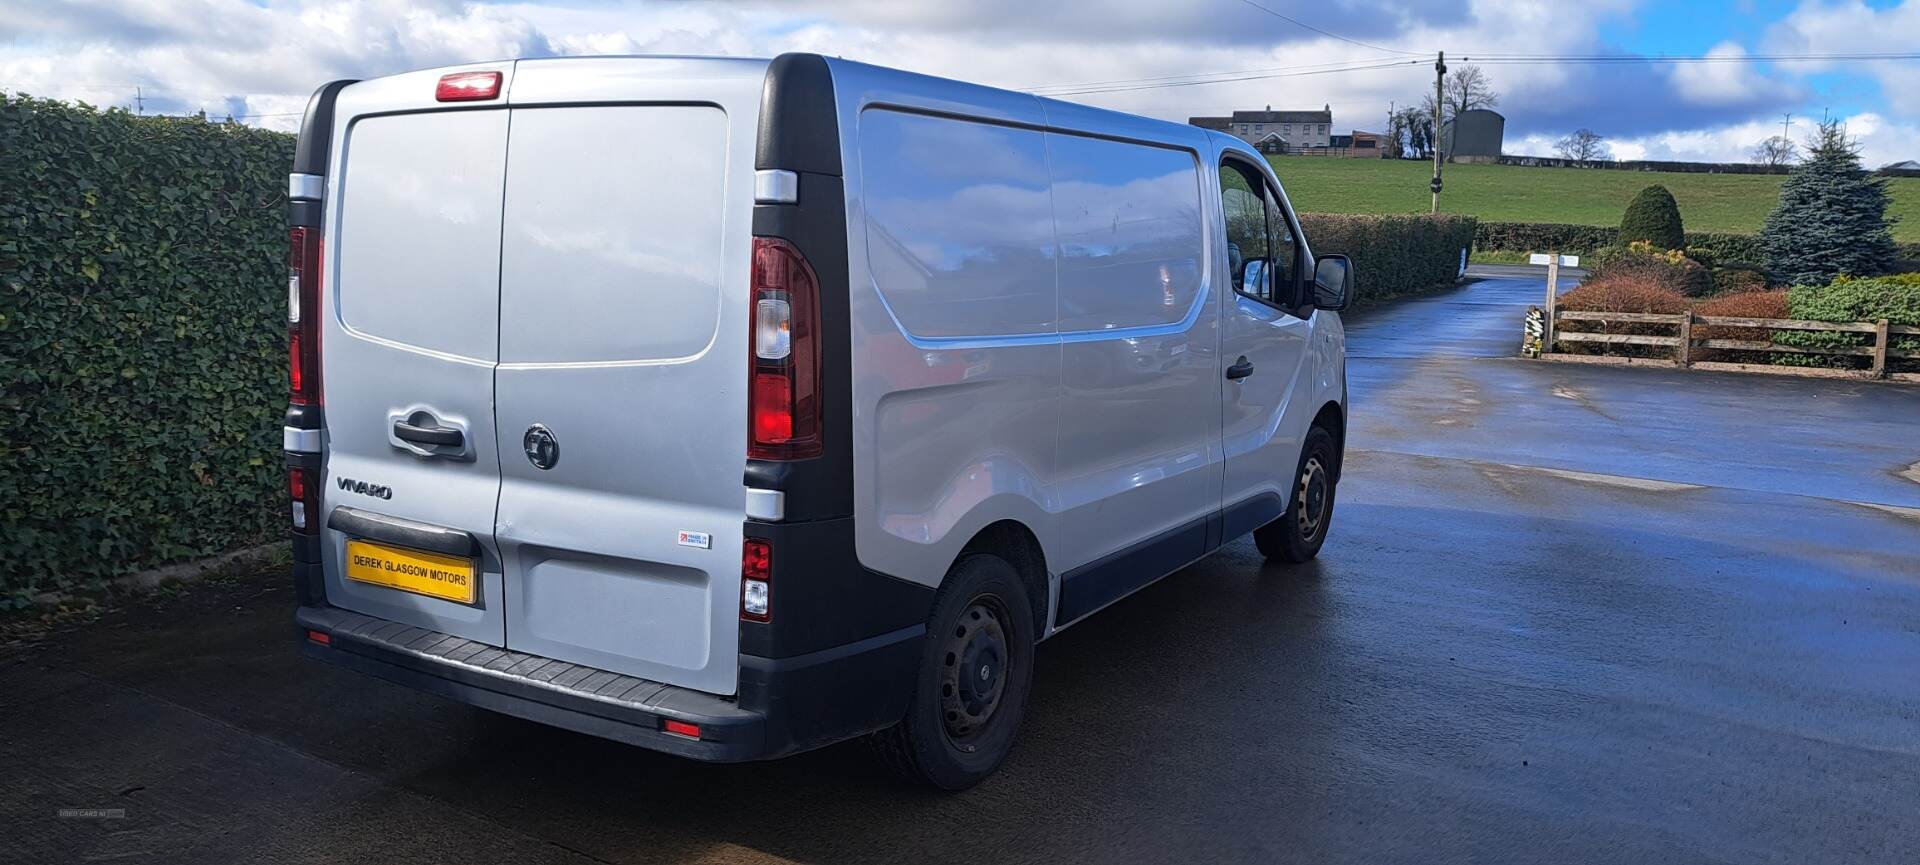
(407, 356)
(620, 397)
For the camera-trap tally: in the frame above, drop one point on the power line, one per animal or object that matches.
(1328, 33)
(1603, 59)
(1191, 77)
(1260, 77)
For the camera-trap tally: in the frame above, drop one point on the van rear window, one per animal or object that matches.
(419, 240)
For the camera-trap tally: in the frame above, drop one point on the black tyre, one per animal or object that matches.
(1297, 535)
(975, 673)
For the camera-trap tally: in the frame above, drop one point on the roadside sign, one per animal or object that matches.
(1544, 258)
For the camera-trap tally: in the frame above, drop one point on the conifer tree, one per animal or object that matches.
(1832, 216)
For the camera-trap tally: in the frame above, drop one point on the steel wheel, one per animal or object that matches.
(974, 678)
(1310, 498)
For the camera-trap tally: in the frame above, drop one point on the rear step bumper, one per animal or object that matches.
(627, 709)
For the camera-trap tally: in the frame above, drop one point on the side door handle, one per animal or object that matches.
(1241, 369)
(427, 435)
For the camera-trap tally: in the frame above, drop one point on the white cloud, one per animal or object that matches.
(1725, 81)
(1881, 140)
(1853, 27)
(262, 57)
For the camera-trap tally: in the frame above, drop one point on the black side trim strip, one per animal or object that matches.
(799, 121)
(403, 532)
(1251, 514)
(306, 416)
(1114, 576)
(316, 129)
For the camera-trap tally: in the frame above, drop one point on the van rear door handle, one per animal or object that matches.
(1241, 369)
(427, 435)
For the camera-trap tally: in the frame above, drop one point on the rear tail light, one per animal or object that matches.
(756, 580)
(467, 87)
(303, 315)
(305, 500)
(783, 399)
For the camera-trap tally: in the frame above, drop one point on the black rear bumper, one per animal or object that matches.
(784, 705)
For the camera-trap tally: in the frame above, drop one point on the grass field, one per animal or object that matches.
(1736, 203)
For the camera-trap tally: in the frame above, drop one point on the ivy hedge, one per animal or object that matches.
(1392, 255)
(142, 341)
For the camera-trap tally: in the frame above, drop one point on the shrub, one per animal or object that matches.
(1392, 255)
(1748, 304)
(1832, 217)
(1895, 298)
(1653, 217)
(1624, 294)
(1671, 268)
(1725, 248)
(1621, 293)
(142, 341)
(1738, 279)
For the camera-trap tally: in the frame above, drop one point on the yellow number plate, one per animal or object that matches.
(430, 574)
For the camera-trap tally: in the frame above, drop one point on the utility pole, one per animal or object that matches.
(1439, 108)
(1785, 123)
(139, 101)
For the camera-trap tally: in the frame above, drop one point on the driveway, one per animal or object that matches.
(1567, 614)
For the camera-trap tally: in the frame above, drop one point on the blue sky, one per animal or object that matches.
(257, 59)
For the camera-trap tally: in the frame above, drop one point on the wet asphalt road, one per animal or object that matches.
(1567, 614)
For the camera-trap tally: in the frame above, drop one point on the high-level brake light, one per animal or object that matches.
(467, 87)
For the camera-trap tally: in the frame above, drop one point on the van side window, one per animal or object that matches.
(1249, 240)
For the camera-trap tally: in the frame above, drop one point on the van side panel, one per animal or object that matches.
(956, 376)
(1139, 429)
(962, 202)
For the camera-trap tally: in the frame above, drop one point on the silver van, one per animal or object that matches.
(733, 408)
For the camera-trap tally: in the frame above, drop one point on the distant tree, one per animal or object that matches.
(1396, 136)
(1419, 130)
(1778, 150)
(1584, 145)
(1832, 216)
(1653, 216)
(1465, 88)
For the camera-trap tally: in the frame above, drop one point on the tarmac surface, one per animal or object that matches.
(1566, 614)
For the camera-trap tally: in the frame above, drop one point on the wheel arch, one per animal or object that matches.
(1020, 547)
(1332, 417)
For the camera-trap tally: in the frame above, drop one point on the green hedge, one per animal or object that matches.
(1590, 239)
(1735, 250)
(142, 341)
(1895, 298)
(1392, 255)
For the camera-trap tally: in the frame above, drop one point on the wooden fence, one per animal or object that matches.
(1545, 336)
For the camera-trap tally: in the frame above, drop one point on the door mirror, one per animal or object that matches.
(1332, 282)
(1253, 276)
